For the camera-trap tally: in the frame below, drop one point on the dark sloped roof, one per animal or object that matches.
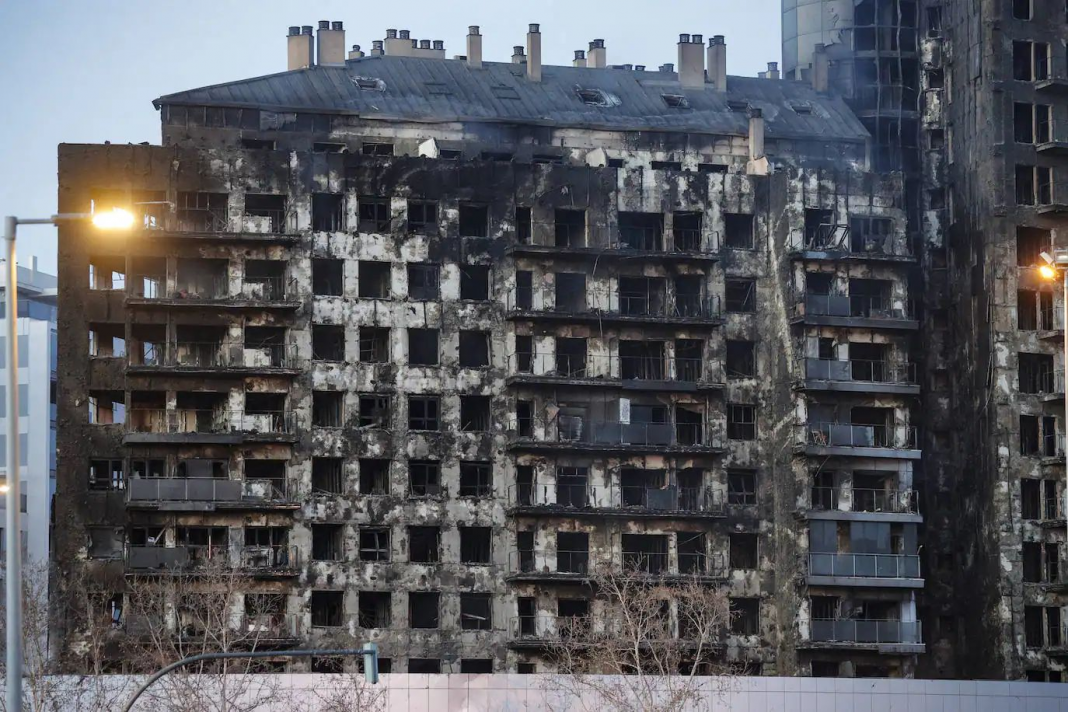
(435, 90)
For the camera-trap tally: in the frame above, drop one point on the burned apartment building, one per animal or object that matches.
(414, 343)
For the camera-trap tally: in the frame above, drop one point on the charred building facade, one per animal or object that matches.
(415, 343)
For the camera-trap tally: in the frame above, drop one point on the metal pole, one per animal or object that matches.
(13, 538)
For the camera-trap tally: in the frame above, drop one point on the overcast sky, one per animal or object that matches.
(86, 71)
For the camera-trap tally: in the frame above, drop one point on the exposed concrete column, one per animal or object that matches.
(598, 56)
(691, 61)
(821, 69)
(330, 49)
(534, 53)
(580, 58)
(299, 48)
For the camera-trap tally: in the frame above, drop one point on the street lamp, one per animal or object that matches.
(1058, 262)
(114, 219)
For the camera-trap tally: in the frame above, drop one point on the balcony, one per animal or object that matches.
(215, 357)
(860, 376)
(215, 291)
(856, 440)
(205, 494)
(674, 374)
(839, 243)
(576, 566)
(212, 224)
(882, 505)
(632, 308)
(883, 636)
(858, 311)
(582, 242)
(157, 425)
(260, 632)
(580, 500)
(259, 561)
(576, 434)
(864, 570)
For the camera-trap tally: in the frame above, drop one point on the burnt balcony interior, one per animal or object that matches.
(1036, 374)
(863, 549)
(202, 212)
(842, 424)
(862, 620)
(1031, 242)
(422, 217)
(1041, 562)
(265, 412)
(201, 412)
(861, 491)
(1039, 500)
(1034, 310)
(266, 213)
(328, 277)
(646, 553)
(200, 346)
(643, 232)
(107, 407)
(570, 292)
(569, 228)
(107, 340)
(197, 278)
(107, 273)
(266, 478)
(1043, 627)
(374, 280)
(148, 277)
(328, 212)
(266, 347)
(265, 280)
(649, 423)
(375, 214)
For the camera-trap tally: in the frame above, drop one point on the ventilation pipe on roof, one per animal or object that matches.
(517, 55)
(598, 57)
(773, 70)
(355, 53)
(717, 62)
(691, 61)
(330, 43)
(580, 58)
(534, 53)
(821, 68)
(299, 48)
(474, 47)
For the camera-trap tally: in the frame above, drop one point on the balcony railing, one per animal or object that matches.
(216, 354)
(652, 240)
(635, 305)
(579, 430)
(270, 558)
(191, 557)
(546, 627)
(186, 420)
(203, 489)
(584, 496)
(216, 288)
(865, 631)
(876, 566)
(860, 371)
(842, 239)
(855, 306)
(899, 437)
(639, 563)
(606, 367)
(866, 500)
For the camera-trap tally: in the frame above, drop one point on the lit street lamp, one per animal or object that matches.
(115, 219)
(1058, 262)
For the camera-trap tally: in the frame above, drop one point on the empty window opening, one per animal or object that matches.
(570, 356)
(107, 340)
(476, 666)
(375, 609)
(476, 479)
(328, 608)
(1042, 626)
(666, 165)
(689, 425)
(474, 413)
(692, 559)
(869, 235)
(424, 478)
(641, 231)
(741, 421)
(712, 168)
(1049, 436)
(107, 273)
(328, 277)
(148, 345)
(423, 347)
(424, 545)
(374, 544)
(422, 217)
(675, 101)
(373, 410)
(374, 476)
(523, 225)
(524, 290)
(423, 412)
(423, 611)
(326, 475)
(645, 553)
(689, 360)
(524, 415)
(738, 231)
(740, 295)
(328, 409)
(570, 292)
(328, 342)
(743, 551)
(745, 616)
(474, 349)
(325, 147)
(474, 282)
(257, 144)
(374, 280)
(376, 149)
(424, 282)
(1023, 122)
(741, 359)
(570, 228)
(474, 220)
(572, 552)
(265, 213)
(498, 156)
(572, 487)
(642, 296)
(327, 542)
(1031, 242)
(741, 487)
(109, 408)
(475, 611)
(264, 279)
(592, 97)
(640, 360)
(1036, 373)
(423, 666)
(328, 212)
(1021, 9)
(686, 231)
(374, 344)
(1040, 562)
(108, 475)
(202, 212)
(475, 545)
(1030, 61)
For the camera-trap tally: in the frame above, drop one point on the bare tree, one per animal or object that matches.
(648, 644)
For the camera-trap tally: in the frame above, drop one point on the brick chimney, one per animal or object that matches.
(598, 57)
(355, 52)
(773, 70)
(580, 58)
(717, 62)
(299, 48)
(534, 53)
(691, 61)
(474, 47)
(330, 42)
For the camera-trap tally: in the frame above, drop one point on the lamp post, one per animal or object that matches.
(1054, 264)
(116, 219)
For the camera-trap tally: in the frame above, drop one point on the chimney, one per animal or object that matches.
(299, 48)
(821, 69)
(756, 134)
(580, 58)
(534, 53)
(773, 70)
(762, 75)
(474, 47)
(355, 53)
(397, 44)
(598, 57)
(717, 62)
(639, 67)
(667, 67)
(330, 44)
(691, 61)
(376, 48)
(517, 55)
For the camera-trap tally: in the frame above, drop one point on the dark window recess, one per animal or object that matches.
(689, 360)
(475, 545)
(741, 421)
(570, 228)
(1023, 122)
(1026, 310)
(524, 290)
(424, 282)
(374, 215)
(423, 666)
(326, 475)
(572, 552)
(423, 412)
(738, 231)
(374, 280)
(328, 409)
(745, 616)
(424, 545)
(524, 415)
(375, 609)
(328, 277)
(615, 163)
(1036, 373)
(675, 101)
(423, 347)
(740, 295)
(328, 343)
(686, 232)
(1021, 9)
(424, 612)
(328, 608)
(524, 353)
(743, 551)
(476, 479)
(257, 143)
(1049, 436)
(819, 227)
(424, 478)
(422, 216)
(373, 411)
(475, 611)
(108, 475)
(641, 231)
(476, 666)
(474, 282)
(523, 226)
(374, 544)
(474, 220)
(374, 476)
(270, 208)
(570, 292)
(374, 344)
(474, 413)
(450, 154)
(328, 212)
(474, 349)
(327, 542)
(826, 668)
(377, 149)
(666, 165)
(324, 147)
(1025, 185)
(741, 359)
(741, 487)
(711, 168)
(1031, 242)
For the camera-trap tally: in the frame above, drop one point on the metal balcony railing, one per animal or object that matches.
(270, 558)
(638, 563)
(860, 371)
(215, 288)
(199, 287)
(187, 420)
(608, 367)
(855, 306)
(865, 631)
(202, 220)
(653, 240)
(843, 239)
(577, 429)
(216, 354)
(559, 562)
(270, 221)
(899, 437)
(866, 500)
(268, 289)
(882, 566)
(583, 496)
(629, 304)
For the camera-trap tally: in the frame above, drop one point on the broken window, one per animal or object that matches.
(423, 412)
(740, 295)
(424, 478)
(374, 344)
(374, 280)
(641, 231)
(202, 212)
(1026, 310)
(570, 292)
(645, 553)
(570, 227)
(328, 608)
(328, 212)
(328, 277)
(475, 611)
(109, 408)
(376, 149)
(572, 552)
(745, 616)
(572, 486)
(686, 231)
(741, 359)
(689, 360)
(476, 479)
(1031, 242)
(819, 228)
(374, 476)
(474, 413)
(423, 347)
(375, 609)
(474, 220)
(741, 421)
(423, 611)
(689, 425)
(570, 356)
(373, 411)
(474, 349)
(107, 273)
(422, 217)
(1036, 373)
(474, 282)
(523, 225)
(424, 545)
(741, 487)
(148, 467)
(374, 544)
(692, 553)
(375, 215)
(326, 475)
(107, 340)
(424, 282)
(642, 296)
(327, 542)
(475, 545)
(106, 475)
(743, 551)
(327, 409)
(738, 231)
(476, 666)
(524, 415)
(328, 342)
(265, 213)
(1030, 61)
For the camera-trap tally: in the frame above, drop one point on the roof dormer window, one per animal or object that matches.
(676, 101)
(592, 97)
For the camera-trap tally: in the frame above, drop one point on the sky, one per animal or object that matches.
(86, 71)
